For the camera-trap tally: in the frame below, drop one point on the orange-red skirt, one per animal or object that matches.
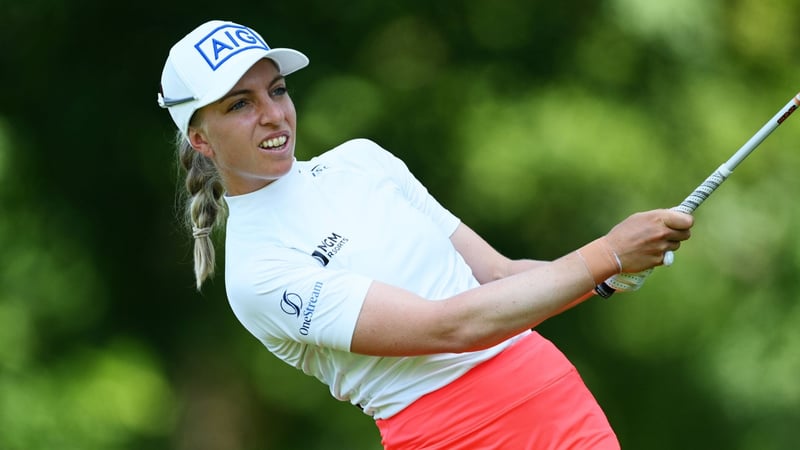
(529, 397)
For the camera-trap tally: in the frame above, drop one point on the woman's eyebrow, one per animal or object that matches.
(245, 91)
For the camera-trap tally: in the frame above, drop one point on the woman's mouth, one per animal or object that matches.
(273, 143)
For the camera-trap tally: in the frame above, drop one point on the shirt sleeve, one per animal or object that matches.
(291, 298)
(413, 190)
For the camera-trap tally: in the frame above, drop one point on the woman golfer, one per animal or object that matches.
(345, 267)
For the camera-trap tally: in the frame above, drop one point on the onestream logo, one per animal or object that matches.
(293, 305)
(228, 40)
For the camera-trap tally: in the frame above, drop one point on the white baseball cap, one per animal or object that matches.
(209, 61)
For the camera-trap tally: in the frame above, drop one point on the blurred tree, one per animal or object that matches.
(540, 124)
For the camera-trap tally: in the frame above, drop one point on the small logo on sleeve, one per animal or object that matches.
(226, 41)
(318, 169)
(328, 248)
(292, 304)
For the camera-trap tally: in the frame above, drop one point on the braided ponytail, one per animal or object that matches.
(204, 205)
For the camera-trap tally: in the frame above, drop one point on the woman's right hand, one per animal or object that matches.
(641, 240)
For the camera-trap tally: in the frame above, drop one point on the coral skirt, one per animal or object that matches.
(529, 397)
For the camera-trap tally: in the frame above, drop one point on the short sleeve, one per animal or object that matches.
(282, 300)
(412, 189)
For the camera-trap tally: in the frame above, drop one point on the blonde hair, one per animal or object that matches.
(203, 205)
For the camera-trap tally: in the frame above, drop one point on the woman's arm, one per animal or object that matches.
(487, 264)
(395, 322)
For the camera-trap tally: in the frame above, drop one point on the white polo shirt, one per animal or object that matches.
(302, 252)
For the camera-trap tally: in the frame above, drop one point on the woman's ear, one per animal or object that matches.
(199, 142)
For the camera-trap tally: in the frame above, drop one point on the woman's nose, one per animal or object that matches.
(270, 112)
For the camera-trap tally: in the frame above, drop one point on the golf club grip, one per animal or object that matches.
(688, 205)
(692, 202)
(696, 198)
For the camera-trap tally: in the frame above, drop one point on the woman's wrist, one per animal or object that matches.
(600, 260)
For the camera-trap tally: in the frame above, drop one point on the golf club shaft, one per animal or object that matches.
(707, 187)
(696, 198)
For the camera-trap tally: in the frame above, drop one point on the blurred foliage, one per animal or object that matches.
(541, 124)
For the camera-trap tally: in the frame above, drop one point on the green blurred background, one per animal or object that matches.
(541, 124)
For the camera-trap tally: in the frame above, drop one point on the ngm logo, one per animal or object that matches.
(226, 41)
(329, 247)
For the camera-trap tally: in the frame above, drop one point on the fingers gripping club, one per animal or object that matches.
(707, 187)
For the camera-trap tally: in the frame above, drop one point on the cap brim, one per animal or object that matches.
(287, 60)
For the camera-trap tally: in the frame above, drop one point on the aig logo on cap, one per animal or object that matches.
(226, 41)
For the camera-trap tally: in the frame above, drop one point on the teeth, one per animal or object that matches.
(274, 142)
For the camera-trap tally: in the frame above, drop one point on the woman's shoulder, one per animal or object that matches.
(355, 152)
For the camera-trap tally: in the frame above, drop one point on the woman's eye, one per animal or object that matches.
(239, 104)
(280, 90)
